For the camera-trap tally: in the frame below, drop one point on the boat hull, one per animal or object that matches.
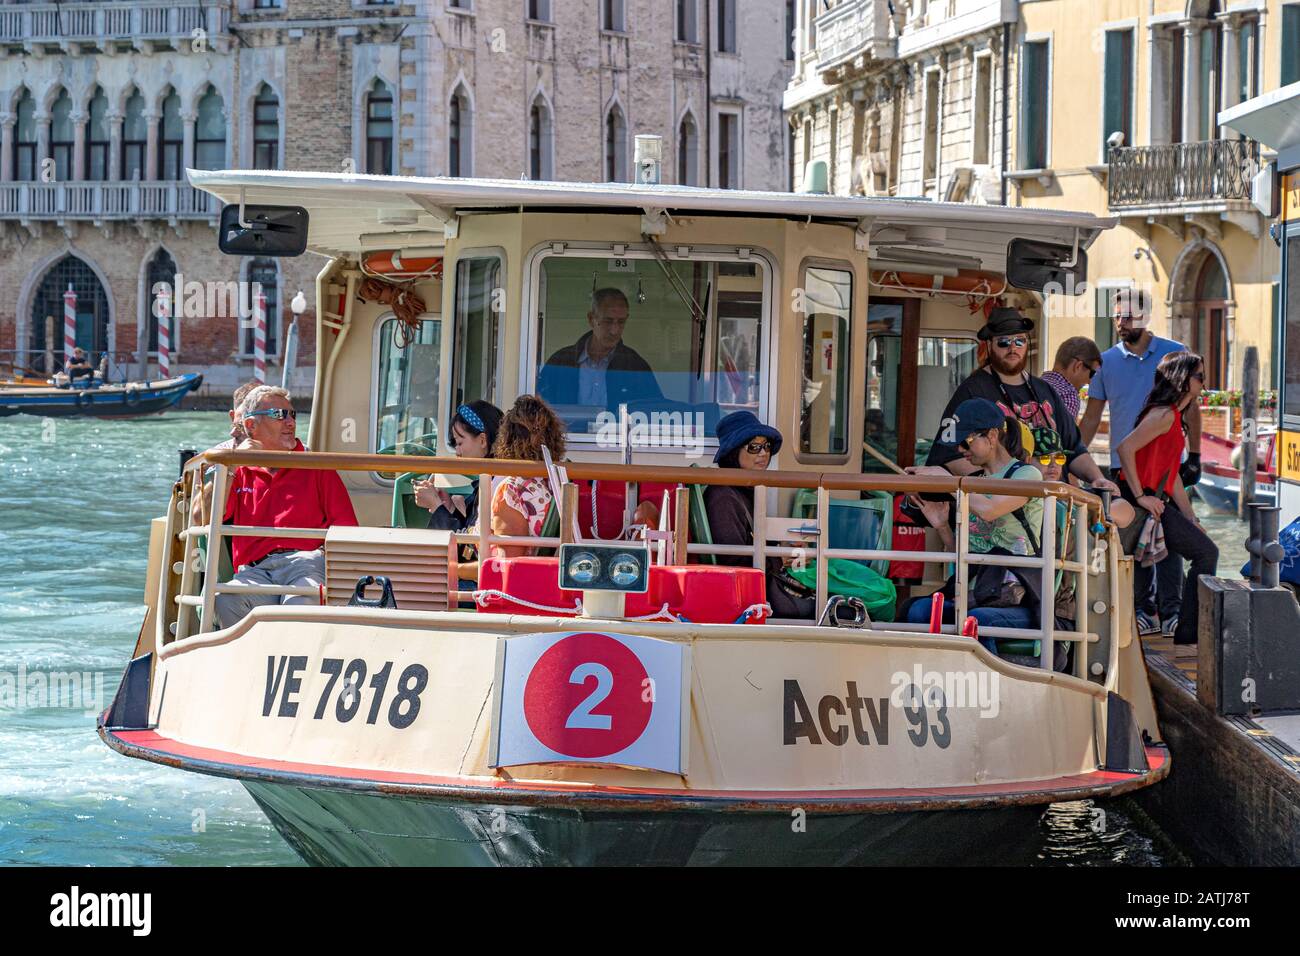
(343, 828)
(109, 401)
(1222, 492)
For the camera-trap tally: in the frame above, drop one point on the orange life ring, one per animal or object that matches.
(391, 263)
(965, 282)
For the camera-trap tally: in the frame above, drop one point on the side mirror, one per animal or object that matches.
(1034, 265)
(278, 231)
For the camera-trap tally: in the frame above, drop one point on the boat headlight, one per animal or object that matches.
(595, 567)
(583, 568)
(624, 570)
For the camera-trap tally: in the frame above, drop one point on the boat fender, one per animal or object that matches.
(386, 599)
(84, 398)
(132, 396)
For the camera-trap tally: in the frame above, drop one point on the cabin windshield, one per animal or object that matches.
(1291, 314)
(407, 386)
(678, 341)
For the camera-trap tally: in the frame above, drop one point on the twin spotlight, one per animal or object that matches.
(593, 567)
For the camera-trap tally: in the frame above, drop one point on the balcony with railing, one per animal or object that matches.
(1204, 183)
(183, 25)
(104, 201)
(852, 30)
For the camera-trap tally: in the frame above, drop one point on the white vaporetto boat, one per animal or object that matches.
(669, 720)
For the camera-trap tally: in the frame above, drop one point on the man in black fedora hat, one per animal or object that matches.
(1004, 380)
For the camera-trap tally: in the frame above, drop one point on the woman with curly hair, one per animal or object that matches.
(519, 504)
(1149, 457)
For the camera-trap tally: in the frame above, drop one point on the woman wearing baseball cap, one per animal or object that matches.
(999, 524)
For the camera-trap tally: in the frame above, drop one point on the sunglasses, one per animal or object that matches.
(279, 414)
(1005, 343)
(965, 443)
(758, 447)
(1055, 459)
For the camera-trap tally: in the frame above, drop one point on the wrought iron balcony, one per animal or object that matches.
(102, 201)
(183, 25)
(1179, 176)
(856, 28)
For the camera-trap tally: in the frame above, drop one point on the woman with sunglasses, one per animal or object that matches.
(474, 430)
(745, 442)
(1150, 457)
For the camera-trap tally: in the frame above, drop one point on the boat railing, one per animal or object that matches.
(774, 536)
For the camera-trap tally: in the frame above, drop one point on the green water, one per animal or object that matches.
(76, 498)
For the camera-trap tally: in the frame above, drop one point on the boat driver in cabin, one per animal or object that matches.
(598, 369)
(279, 498)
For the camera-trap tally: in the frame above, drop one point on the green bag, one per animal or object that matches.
(853, 579)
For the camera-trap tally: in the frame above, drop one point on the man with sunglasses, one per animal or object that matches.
(1128, 371)
(1005, 381)
(277, 498)
(1077, 360)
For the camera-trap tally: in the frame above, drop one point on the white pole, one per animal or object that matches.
(259, 339)
(69, 325)
(164, 314)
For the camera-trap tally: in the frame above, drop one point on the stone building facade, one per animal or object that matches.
(104, 105)
(1107, 107)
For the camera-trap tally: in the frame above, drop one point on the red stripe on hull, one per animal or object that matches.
(177, 753)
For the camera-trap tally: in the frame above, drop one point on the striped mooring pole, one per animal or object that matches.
(164, 313)
(259, 340)
(69, 325)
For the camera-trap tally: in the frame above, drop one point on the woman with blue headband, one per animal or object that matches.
(474, 430)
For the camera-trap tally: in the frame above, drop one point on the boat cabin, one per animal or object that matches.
(839, 321)
(845, 323)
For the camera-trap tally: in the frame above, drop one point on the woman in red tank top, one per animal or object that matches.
(1150, 457)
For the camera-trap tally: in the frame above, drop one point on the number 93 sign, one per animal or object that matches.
(591, 698)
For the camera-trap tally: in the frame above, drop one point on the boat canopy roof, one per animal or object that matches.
(353, 213)
(1273, 118)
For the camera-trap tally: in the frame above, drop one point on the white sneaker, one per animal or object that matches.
(1146, 624)
(1169, 626)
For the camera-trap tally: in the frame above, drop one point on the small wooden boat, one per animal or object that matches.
(120, 400)
(1220, 484)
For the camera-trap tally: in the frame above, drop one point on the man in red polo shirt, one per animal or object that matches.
(278, 498)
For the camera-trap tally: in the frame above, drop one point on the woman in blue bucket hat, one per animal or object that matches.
(745, 442)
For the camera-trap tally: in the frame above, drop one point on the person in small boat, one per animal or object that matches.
(474, 430)
(1150, 457)
(277, 498)
(599, 369)
(519, 505)
(79, 367)
(999, 524)
(745, 442)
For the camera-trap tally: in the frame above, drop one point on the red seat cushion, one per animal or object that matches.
(700, 593)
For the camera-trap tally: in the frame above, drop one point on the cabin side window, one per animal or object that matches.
(480, 301)
(825, 302)
(678, 342)
(1291, 314)
(406, 410)
(910, 377)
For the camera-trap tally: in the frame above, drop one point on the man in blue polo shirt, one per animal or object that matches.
(1128, 370)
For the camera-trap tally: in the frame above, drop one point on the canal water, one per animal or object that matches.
(76, 498)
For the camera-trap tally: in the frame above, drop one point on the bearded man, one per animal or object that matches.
(1128, 370)
(1004, 381)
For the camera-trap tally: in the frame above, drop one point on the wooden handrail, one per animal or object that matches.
(665, 474)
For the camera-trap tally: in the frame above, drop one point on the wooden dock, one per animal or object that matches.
(1233, 796)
